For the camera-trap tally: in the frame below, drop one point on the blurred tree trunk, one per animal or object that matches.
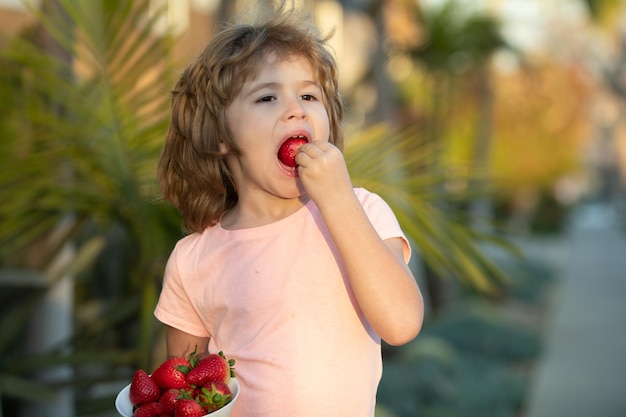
(384, 88)
(449, 35)
(226, 10)
(50, 326)
(481, 205)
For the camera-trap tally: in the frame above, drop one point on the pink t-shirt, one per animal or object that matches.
(276, 299)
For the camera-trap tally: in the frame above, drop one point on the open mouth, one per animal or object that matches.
(289, 149)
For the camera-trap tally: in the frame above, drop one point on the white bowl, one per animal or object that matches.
(125, 407)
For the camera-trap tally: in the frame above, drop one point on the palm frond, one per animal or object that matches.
(398, 167)
(82, 133)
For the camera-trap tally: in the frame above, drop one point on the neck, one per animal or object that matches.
(248, 214)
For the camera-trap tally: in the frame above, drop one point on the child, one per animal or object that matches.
(290, 271)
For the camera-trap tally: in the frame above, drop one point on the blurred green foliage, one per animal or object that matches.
(474, 359)
(83, 116)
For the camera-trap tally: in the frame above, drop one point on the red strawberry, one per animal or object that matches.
(190, 391)
(188, 408)
(218, 387)
(213, 367)
(169, 399)
(153, 409)
(172, 373)
(288, 150)
(214, 395)
(143, 389)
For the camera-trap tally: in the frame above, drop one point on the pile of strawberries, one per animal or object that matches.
(183, 387)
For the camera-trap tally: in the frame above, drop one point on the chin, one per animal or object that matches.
(296, 192)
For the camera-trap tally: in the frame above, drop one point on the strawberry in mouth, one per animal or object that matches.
(288, 150)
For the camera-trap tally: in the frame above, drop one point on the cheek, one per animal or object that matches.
(327, 128)
(323, 123)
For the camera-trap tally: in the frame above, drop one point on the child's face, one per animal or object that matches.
(284, 100)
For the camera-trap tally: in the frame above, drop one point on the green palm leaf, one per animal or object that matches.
(80, 144)
(398, 167)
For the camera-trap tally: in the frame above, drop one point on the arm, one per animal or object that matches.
(181, 344)
(382, 283)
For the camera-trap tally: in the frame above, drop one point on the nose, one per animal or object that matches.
(295, 109)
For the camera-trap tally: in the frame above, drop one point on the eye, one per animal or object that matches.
(308, 97)
(266, 99)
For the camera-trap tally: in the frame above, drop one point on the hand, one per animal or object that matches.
(323, 172)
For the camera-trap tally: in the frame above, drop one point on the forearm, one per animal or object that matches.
(181, 344)
(382, 283)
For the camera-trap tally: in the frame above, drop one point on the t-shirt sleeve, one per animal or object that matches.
(174, 307)
(383, 219)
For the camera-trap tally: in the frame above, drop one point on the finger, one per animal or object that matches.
(317, 148)
(310, 150)
(302, 157)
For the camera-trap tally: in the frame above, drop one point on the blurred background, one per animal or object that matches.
(494, 128)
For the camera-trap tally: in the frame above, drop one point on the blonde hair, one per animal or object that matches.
(192, 171)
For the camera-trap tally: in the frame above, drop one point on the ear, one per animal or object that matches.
(223, 148)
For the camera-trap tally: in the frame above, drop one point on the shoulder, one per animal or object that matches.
(379, 212)
(368, 198)
(382, 218)
(375, 206)
(187, 252)
(193, 242)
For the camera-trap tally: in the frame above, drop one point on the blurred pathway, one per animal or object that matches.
(583, 370)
